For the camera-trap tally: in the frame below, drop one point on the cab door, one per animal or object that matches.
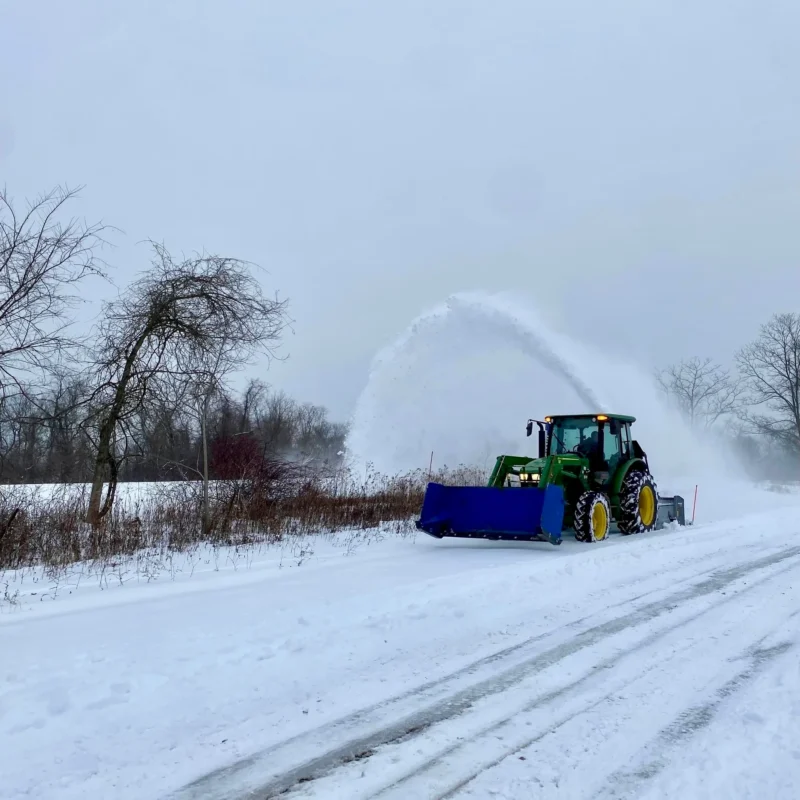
(613, 450)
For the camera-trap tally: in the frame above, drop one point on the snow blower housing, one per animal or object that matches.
(588, 473)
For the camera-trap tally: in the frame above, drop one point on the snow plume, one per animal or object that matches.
(464, 378)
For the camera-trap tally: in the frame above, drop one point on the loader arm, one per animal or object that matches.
(503, 466)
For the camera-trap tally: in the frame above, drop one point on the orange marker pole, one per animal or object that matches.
(694, 505)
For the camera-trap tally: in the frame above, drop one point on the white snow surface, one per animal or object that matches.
(656, 666)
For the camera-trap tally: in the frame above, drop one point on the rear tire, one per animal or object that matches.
(638, 503)
(592, 517)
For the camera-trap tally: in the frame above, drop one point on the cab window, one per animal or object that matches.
(611, 442)
(569, 435)
(625, 432)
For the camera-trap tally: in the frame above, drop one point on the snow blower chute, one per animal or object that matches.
(589, 472)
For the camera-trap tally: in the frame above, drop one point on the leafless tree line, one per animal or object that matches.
(757, 404)
(147, 395)
(44, 441)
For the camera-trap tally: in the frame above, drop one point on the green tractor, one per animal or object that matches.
(589, 472)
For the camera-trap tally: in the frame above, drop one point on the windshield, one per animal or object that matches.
(573, 435)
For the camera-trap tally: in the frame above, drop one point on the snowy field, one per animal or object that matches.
(656, 666)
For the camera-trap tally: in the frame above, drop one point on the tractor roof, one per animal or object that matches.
(607, 415)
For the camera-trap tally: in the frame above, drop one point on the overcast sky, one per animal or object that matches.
(634, 166)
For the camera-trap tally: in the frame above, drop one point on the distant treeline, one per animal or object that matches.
(49, 438)
(756, 406)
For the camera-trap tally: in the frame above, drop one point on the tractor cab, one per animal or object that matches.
(603, 439)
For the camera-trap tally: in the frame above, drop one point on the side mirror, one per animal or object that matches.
(529, 427)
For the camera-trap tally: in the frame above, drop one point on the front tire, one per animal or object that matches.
(638, 503)
(592, 517)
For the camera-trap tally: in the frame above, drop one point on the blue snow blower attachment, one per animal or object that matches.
(487, 512)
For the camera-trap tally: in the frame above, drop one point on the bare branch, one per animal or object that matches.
(770, 367)
(180, 330)
(702, 390)
(42, 260)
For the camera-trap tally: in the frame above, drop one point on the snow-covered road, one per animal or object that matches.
(656, 666)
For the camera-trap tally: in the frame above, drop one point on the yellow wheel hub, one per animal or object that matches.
(599, 522)
(647, 505)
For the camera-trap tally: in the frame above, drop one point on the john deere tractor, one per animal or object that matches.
(588, 473)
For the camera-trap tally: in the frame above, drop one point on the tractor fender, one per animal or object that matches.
(634, 464)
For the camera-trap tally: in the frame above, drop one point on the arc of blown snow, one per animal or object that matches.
(505, 319)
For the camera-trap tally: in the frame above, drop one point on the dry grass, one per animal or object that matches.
(44, 527)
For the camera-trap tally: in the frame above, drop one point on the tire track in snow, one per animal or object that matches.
(242, 779)
(612, 745)
(682, 572)
(457, 757)
(591, 711)
(626, 783)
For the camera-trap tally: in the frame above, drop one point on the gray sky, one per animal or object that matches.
(635, 166)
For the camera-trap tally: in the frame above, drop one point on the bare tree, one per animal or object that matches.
(252, 399)
(159, 332)
(210, 375)
(41, 262)
(702, 390)
(770, 367)
(279, 425)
